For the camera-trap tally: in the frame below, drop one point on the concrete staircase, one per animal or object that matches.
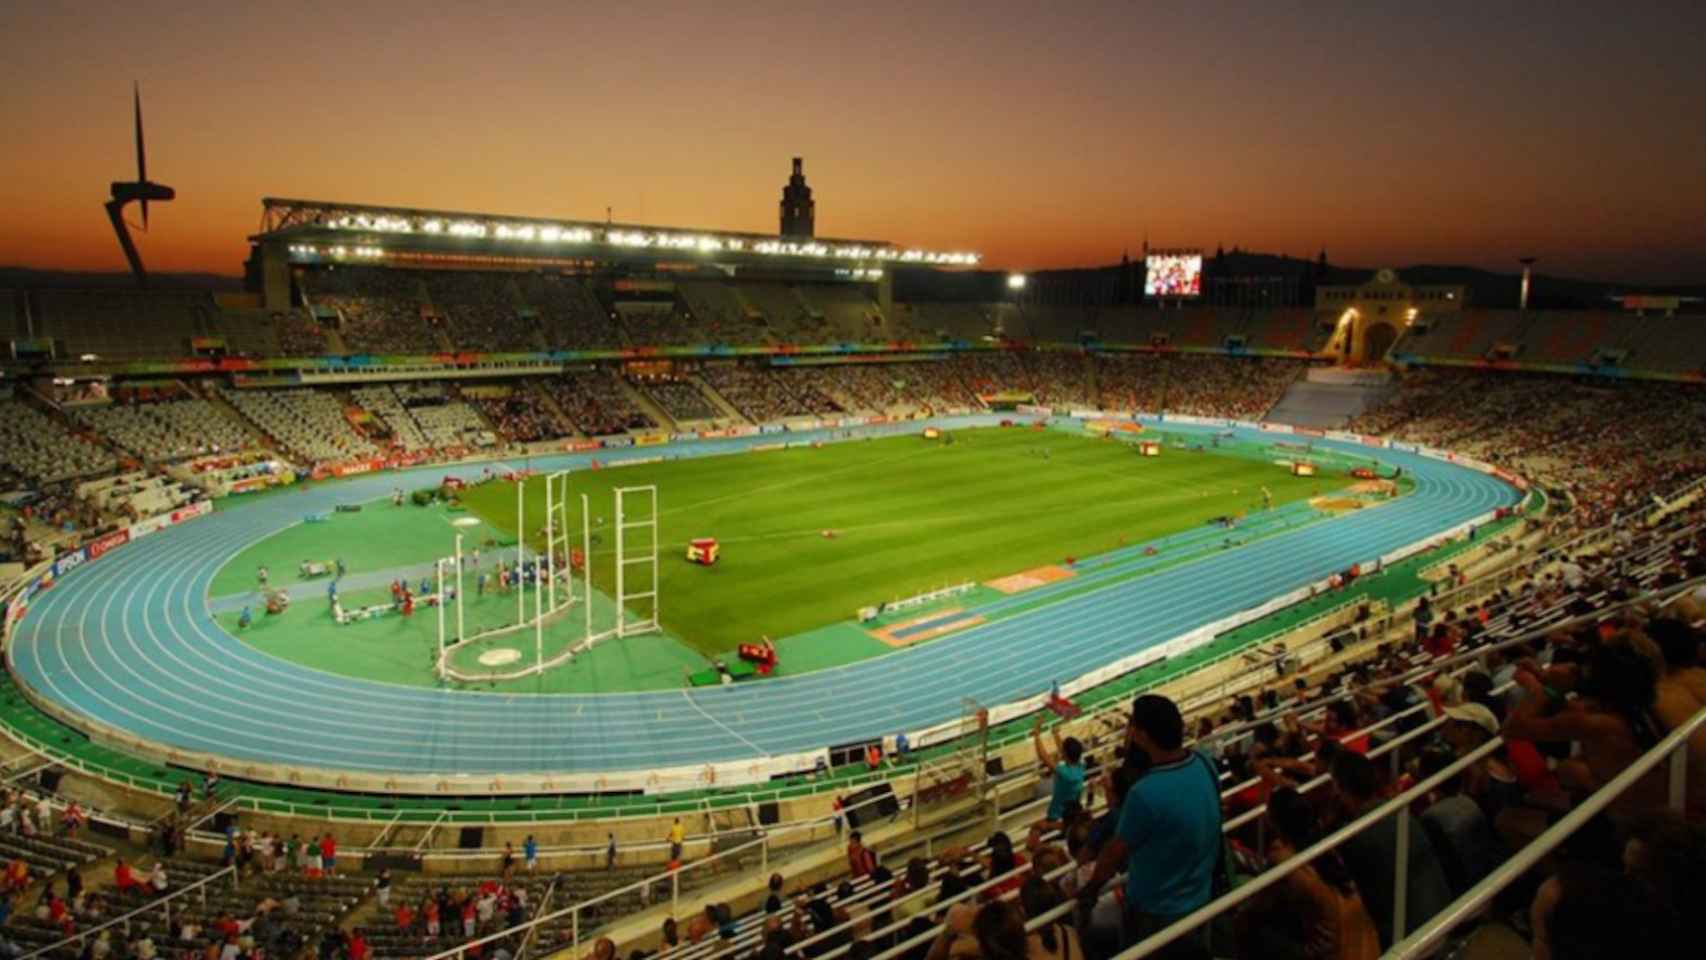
(1328, 399)
(648, 406)
(724, 408)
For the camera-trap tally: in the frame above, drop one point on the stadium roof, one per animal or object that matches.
(319, 230)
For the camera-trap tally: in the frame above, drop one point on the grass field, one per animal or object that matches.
(908, 515)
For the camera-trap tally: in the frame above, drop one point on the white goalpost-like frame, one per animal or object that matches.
(547, 604)
(649, 494)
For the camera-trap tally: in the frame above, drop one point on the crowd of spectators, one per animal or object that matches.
(597, 401)
(681, 399)
(1061, 377)
(655, 323)
(1573, 707)
(381, 311)
(719, 316)
(1612, 445)
(571, 316)
(872, 388)
(481, 312)
(940, 384)
(523, 415)
(761, 393)
(990, 373)
(300, 334)
(1198, 385)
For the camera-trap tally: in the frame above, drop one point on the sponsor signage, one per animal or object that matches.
(102, 544)
(70, 561)
(149, 526)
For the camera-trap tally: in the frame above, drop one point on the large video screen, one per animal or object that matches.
(1173, 275)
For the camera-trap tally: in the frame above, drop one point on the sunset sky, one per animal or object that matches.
(1040, 134)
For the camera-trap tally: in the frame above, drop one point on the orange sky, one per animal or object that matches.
(1038, 134)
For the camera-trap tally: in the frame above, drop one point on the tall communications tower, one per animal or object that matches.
(799, 211)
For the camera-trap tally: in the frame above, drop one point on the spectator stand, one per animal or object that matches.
(190, 896)
(571, 316)
(378, 310)
(597, 401)
(519, 411)
(44, 449)
(311, 424)
(484, 312)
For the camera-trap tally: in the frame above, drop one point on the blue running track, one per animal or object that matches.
(130, 642)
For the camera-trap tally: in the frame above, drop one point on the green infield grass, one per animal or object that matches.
(809, 535)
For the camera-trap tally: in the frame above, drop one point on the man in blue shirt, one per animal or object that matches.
(1168, 838)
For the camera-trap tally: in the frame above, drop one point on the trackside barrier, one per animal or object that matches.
(164, 903)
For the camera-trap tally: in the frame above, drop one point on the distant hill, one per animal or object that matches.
(16, 277)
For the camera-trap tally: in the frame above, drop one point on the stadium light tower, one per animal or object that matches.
(1017, 281)
(1527, 279)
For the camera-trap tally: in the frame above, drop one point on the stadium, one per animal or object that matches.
(620, 587)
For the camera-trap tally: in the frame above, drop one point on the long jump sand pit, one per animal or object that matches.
(1031, 579)
(1367, 493)
(927, 626)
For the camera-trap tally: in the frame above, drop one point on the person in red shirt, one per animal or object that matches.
(861, 860)
(430, 911)
(405, 918)
(356, 947)
(123, 879)
(328, 853)
(61, 915)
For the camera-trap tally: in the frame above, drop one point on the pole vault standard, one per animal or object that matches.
(639, 555)
(648, 556)
(520, 549)
(586, 565)
(438, 568)
(461, 631)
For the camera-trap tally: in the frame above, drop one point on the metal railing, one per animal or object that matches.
(762, 845)
(1390, 748)
(124, 919)
(1462, 663)
(1672, 750)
